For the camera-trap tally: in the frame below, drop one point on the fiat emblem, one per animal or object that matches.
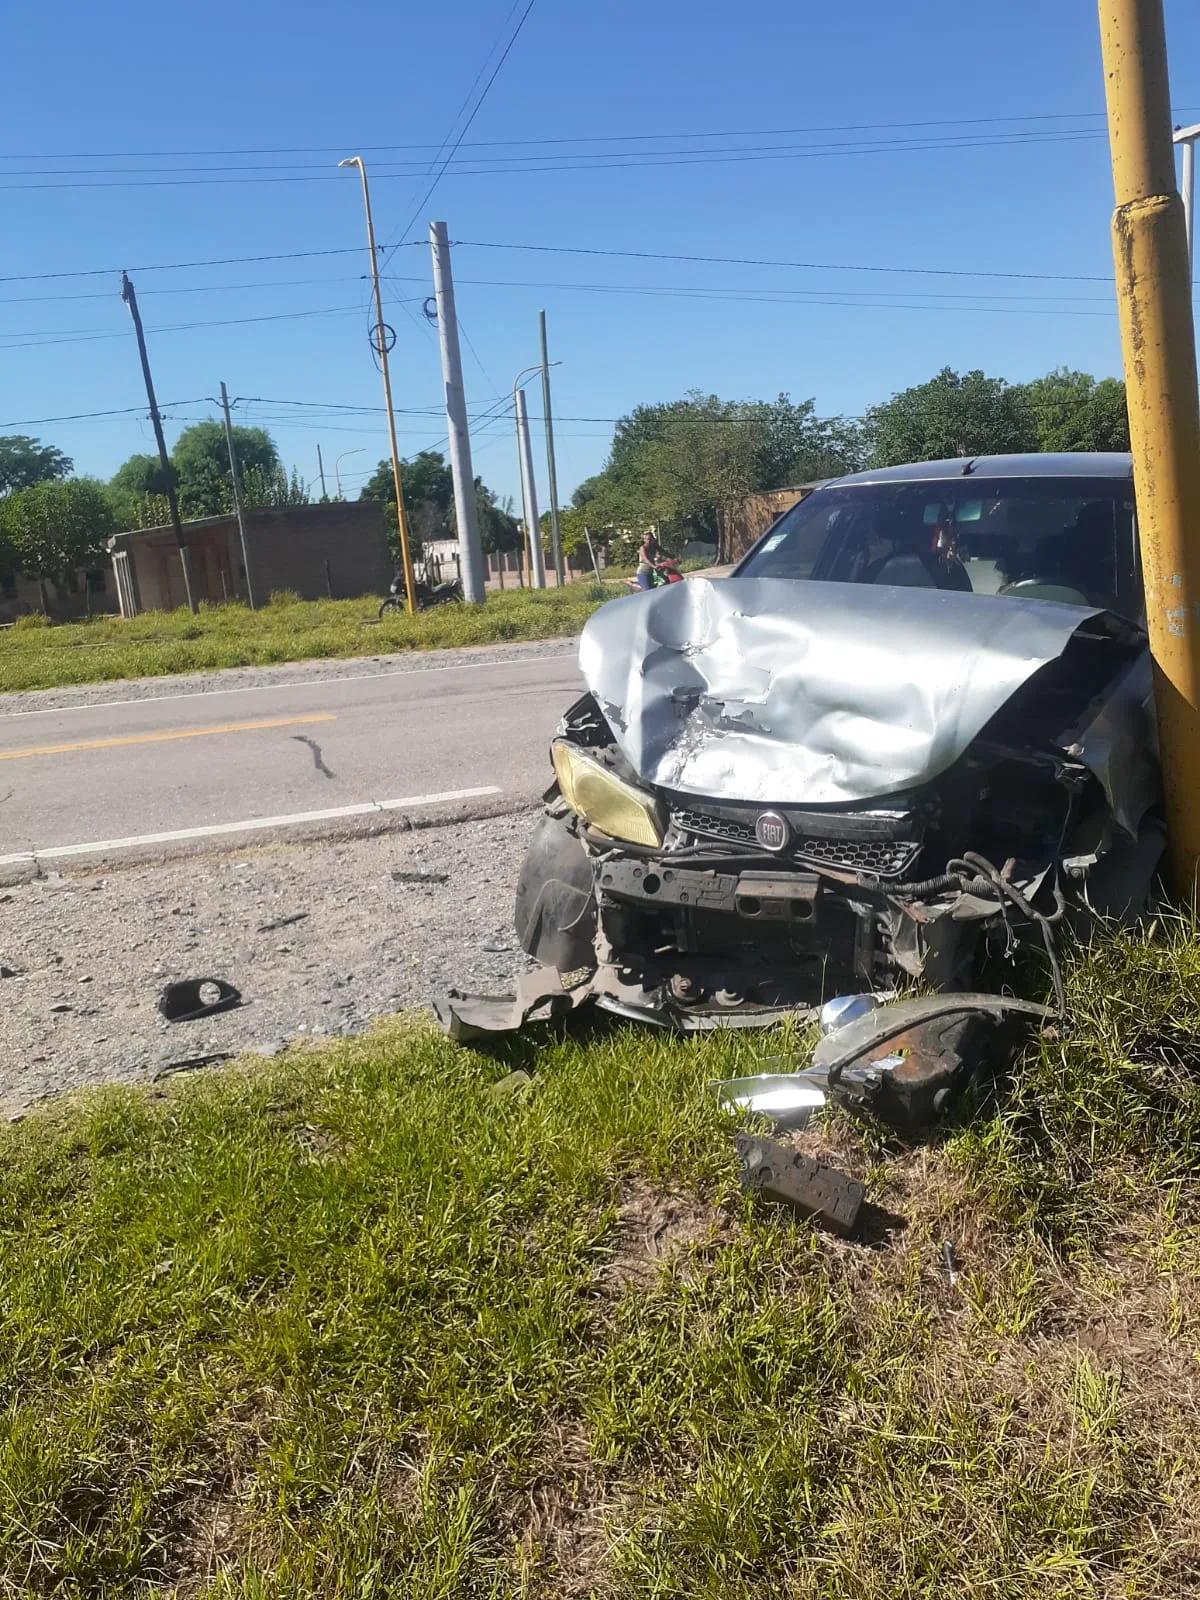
(771, 830)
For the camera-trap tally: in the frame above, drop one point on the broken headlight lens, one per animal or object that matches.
(603, 800)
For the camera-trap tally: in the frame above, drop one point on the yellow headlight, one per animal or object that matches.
(603, 800)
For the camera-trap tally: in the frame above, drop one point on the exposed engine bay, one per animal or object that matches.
(777, 792)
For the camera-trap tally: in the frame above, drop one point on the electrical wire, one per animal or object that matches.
(483, 144)
(761, 261)
(522, 166)
(437, 177)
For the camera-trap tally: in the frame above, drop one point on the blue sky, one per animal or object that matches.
(935, 135)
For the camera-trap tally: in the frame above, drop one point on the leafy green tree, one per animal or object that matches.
(572, 520)
(25, 461)
(498, 528)
(428, 496)
(1074, 411)
(676, 463)
(136, 494)
(971, 415)
(53, 528)
(200, 461)
(200, 464)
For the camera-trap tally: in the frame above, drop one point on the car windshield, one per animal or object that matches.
(1065, 539)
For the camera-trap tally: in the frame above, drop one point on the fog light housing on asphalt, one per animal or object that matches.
(603, 800)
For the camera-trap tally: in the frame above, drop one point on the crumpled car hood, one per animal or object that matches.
(782, 692)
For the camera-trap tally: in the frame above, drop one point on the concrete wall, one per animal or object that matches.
(741, 524)
(19, 596)
(339, 548)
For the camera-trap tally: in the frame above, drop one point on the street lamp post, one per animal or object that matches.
(525, 466)
(381, 333)
(338, 462)
(534, 569)
(1186, 137)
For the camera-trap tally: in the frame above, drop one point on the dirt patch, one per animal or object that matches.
(654, 1229)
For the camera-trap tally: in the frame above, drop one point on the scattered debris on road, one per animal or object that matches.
(283, 922)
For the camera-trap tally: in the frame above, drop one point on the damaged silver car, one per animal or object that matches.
(911, 731)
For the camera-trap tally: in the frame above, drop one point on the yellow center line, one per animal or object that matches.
(161, 738)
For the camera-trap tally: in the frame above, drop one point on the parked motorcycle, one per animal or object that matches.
(662, 572)
(428, 595)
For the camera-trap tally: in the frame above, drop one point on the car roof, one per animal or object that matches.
(1064, 464)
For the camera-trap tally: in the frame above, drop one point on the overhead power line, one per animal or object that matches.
(594, 138)
(806, 266)
(483, 94)
(181, 266)
(523, 166)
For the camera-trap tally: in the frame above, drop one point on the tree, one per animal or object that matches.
(200, 461)
(1072, 411)
(972, 415)
(428, 487)
(676, 463)
(498, 528)
(24, 462)
(136, 493)
(54, 528)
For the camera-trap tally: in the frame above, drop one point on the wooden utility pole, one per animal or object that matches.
(185, 558)
(321, 472)
(1159, 349)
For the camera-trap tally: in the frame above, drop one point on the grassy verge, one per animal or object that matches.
(352, 1324)
(161, 642)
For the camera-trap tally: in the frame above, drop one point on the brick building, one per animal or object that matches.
(335, 550)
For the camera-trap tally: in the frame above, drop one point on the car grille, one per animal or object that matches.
(880, 857)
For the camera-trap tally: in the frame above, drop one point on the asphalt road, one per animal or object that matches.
(154, 768)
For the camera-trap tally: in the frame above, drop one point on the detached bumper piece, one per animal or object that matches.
(540, 997)
(905, 1063)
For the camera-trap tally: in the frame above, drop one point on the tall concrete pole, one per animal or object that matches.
(235, 479)
(1186, 137)
(470, 552)
(551, 467)
(529, 494)
(1158, 344)
(185, 555)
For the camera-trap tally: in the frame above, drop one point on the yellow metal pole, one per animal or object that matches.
(405, 557)
(1158, 345)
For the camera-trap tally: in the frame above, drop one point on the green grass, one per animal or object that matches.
(162, 642)
(351, 1324)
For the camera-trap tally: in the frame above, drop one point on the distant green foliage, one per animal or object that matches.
(53, 528)
(971, 415)
(428, 486)
(1072, 411)
(200, 461)
(676, 463)
(25, 461)
(137, 491)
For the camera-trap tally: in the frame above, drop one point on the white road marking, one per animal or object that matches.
(264, 688)
(252, 825)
